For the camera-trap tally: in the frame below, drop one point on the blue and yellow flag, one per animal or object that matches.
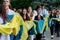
(40, 26)
(9, 26)
(26, 27)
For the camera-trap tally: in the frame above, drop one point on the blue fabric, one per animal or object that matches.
(39, 26)
(38, 31)
(18, 36)
(9, 17)
(31, 31)
(49, 22)
(11, 36)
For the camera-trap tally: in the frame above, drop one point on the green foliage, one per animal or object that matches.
(25, 3)
(21, 3)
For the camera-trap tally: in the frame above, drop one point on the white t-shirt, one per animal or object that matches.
(3, 37)
(1, 20)
(11, 12)
(43, 12)
(34, 14)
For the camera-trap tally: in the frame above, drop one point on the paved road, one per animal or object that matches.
(48, 36)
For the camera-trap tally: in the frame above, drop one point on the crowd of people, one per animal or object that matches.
(40, 17)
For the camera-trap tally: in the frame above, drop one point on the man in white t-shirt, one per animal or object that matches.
(43, 13)
(43, 10)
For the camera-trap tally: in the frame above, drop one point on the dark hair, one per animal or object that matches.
(42, 4)
(10, 6)
(0, 9)
(3, 13)
(37, 7)
(23, 9)
(28, 7)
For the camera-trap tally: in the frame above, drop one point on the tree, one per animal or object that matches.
(21, 3)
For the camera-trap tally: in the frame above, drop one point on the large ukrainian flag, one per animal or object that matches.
(42, 25)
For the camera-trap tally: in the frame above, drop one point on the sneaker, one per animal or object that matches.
(52, 37)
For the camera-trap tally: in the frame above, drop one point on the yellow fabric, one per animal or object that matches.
(24, 33)
(46, 20)
(58, 19)
(16, 23)
(12, 26)
(30, 24)
(26, 27)
(5, 31)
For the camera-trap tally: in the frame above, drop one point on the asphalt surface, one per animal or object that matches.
(48, 36)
